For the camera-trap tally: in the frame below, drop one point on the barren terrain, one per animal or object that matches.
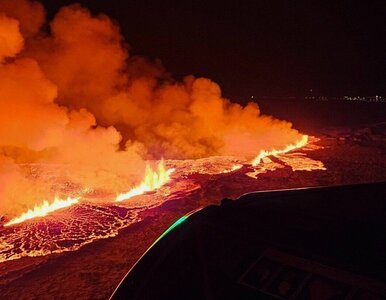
(93, 271)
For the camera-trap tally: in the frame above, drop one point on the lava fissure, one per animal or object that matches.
(82, 118)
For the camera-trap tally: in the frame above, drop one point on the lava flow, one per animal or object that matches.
(264, 153)
(83, 222)
(43, 210)
(152, 181)
(81, 117)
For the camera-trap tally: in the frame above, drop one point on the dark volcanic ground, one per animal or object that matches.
(350, 156)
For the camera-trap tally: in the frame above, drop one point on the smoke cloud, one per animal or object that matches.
(75, 98)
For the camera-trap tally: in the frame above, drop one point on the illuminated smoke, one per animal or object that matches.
(74, 97)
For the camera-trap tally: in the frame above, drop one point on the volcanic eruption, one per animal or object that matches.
(85, 128)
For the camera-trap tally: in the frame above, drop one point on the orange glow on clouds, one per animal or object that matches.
(74, 96)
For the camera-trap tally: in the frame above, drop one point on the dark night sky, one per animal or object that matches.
(260, 47)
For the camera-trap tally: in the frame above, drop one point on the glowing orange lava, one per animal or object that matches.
(264, 153)
(234, 168)
(43, 210)
(153, 180)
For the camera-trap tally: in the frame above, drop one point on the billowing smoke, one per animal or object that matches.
(72, 96)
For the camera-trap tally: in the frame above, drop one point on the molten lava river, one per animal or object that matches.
(85, 215)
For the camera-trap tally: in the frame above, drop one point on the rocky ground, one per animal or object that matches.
(92, 272)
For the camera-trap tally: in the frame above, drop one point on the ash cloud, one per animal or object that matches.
(75, 96)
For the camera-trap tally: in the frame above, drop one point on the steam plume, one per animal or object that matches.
(74, 97)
